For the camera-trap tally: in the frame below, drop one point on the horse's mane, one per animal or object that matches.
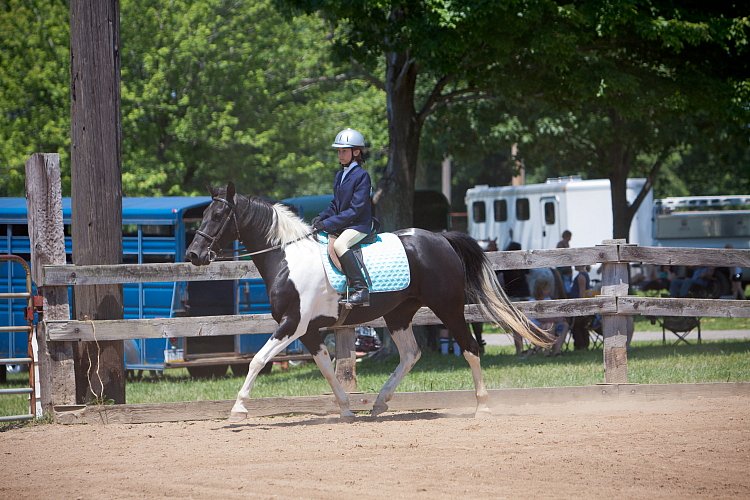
(288, 227)
(280, 224)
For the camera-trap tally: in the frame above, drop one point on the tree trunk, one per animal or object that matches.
(394, 197)
(620, 160)
(96, 186)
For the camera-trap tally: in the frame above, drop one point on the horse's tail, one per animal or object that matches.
(483, 289)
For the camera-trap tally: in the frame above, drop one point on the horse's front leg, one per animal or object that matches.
(284, 334)
(409, 354)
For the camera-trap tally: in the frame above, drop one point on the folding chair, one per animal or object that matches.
(680, 326)
(592, 326)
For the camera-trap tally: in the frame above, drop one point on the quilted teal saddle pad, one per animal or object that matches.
(385, 260)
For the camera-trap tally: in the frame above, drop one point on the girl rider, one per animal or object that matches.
(348, 219)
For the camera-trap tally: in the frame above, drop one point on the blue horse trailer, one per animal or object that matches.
(154, 230)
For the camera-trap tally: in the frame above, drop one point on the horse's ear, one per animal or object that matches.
(230, 191)
(211, 190)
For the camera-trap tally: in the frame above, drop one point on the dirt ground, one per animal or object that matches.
(696, 447)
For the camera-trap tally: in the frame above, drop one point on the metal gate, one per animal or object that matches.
(28, 328)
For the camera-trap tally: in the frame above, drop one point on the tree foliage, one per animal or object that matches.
(227, 90)
(211, 91)
(34, 96)
(216, 89)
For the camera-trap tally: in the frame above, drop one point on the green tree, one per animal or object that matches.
(651, 79)
(622, 81)
(34, 95)
(220, 90)
(211, 91)
(425, 55)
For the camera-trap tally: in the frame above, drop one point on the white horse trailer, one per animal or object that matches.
(535, 215)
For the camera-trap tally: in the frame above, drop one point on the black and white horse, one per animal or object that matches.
(447, 270)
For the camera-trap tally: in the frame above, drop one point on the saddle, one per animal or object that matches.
(384, 258)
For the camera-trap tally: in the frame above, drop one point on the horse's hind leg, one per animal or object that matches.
(456, 324)
(314, 343)
(399, 324)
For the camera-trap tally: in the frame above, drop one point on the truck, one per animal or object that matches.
(154, 230)
(535, 215)
(705, 222)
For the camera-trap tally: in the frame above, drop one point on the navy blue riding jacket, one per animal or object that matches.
(351, 207)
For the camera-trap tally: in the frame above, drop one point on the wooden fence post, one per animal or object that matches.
(616, 327)
(346, 358)
(47, 241)
(96, 184)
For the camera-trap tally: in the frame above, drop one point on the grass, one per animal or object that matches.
(644, 325)
(648, 363)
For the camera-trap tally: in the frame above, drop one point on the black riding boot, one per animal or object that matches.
(360, 296)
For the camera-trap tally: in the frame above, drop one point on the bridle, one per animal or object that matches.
(212, 255)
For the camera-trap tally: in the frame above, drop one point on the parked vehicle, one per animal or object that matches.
(154, 230)
(705, 222)
(535, 215)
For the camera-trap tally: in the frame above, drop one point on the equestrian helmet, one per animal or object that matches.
(349, 138)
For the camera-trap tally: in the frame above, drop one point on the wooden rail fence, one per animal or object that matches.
(57, 330)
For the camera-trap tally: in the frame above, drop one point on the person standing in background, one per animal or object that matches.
(516, 287)
(566, 272)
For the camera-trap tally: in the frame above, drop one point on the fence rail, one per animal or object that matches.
(613, 301)
(64, 275)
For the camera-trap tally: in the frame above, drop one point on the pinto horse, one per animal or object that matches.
(446, 269)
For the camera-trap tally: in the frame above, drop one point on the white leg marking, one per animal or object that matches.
(266, 354)
(323, 360)
(409, 354)
(481, 391)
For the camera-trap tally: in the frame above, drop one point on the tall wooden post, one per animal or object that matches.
(616, 328)
(47, 239)
(97, 184)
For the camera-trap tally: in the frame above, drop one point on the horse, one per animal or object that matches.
(446, 270)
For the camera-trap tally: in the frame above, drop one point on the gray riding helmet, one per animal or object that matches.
(349, 138)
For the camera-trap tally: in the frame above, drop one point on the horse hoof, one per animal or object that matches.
(483, 413)
(348, 417)
(237, 417)
(378, 409)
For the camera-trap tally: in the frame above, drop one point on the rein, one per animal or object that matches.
(269, 249)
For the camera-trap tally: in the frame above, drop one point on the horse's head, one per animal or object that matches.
(488, 245)
(218, 228)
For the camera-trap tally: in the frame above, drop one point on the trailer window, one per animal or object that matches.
(522, 209)
(20, 229)
(549, 213)
(501, 210)
(478, 212)
(157, 230)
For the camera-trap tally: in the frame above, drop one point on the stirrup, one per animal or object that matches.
(348, 303)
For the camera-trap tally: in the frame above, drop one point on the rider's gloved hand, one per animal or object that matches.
(318, 225)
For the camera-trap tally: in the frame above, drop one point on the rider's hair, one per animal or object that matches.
(362, 158)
